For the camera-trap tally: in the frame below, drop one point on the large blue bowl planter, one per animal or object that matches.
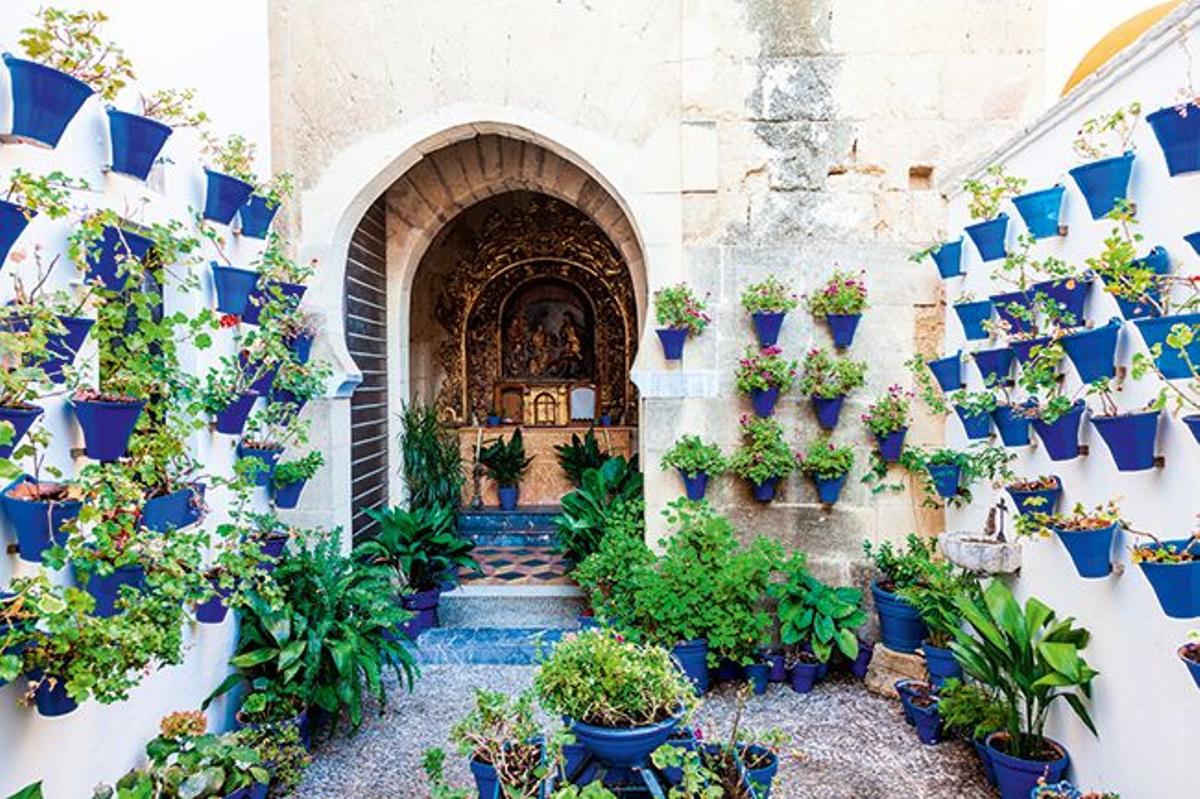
(232, 420)
(233, 287)
(948, 372)
(673, 339)
(1015, 777)
(891, 444)
(1017, 325)
(624, 747)
(1023, 349)
(104, 261)
(267, 459)
(1012, 424)
(1193, 666)
(767, 326)
(946, 478)
(994, 365)
(765, 491)
(977, 426)
(1039, 210)
(288, 496)
(1094, 352)
(763, 400)
(257, 215)
(21, 419)
(1090, 550)
(828, 409)
(1179, 136)
(842, 326)
(900, 625)
(972, 315)
(51, 700)
(1169, 361)
(948, 258)
(829, 489)
(989, 237)
(1069, 294)
(1047, 499)
(107, 426)
(1177, 585)
(1104, 182)
(37, 524)
(136, 142)
(1193, 423)
(1130, 438)
(13, 220)
(63, 347)
(44, 101)
(1157, 261)
(941, 664)
(106, 589)
(224, 196)
(1061, 437)
(692, 659)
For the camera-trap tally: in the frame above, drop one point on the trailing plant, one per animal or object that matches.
(233, 156)
(763, 453)
(824, 461)
(300, 470)
(828, 376)
(677, 307)
(433, 471)
(48, 194)
(890, 412)
(505, 462)
(980, 461)
(72, 42)
(604, 493)
(1177, 394)
(990, 189)
(764, 368)
(580, 455)
(420, 545)
(930, 394)
(1080, 519)
(843, 293)
(693, 455)
(973, 403)
(769, 296)
(819, 615)
(1110, 133)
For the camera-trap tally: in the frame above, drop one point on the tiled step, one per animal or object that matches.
(511, 607)
(532, 526)
(485, 645)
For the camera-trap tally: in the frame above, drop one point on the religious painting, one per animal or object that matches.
(548, 333)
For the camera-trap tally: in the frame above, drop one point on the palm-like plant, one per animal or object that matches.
(505, 461)
(580, 455)
(433, 471)
(421, 545)
(587, 511)
(823, 616)
(1030, 657)
(936, 598)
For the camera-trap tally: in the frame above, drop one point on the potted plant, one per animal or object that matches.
(811, 613)
(841, 301)
(289, 477)
(1104, 179)
(232, 287)
(828, 467)
(887, 418)
(1173, 569)
(947, 371)
(994, 365)
(946, 256)
(259, 211)
(763, 458)
(768, 303)
(1035, 495)
(231, 183)
(505, 462)
(137, 139)
(679, 314)
(900, 624)
(1093, 351)
(501, 738)
(921, 701)
(29, 195)
(973, 313)
(269, 431)
(828, 380)
(950, 472)
(108, 252)
(759, 753)
(1012, 421)
(1130, 437)
(1040, 209)
(988, 190)
(974, 409)
(281, 284)
(1177, 133)
(494, 417)
(974, 711)
(935, 596)
(37, 510)
(696, 460)
(1032, 659)
(762, 375)
(229, 394)
(1189, 653)
(579, 455)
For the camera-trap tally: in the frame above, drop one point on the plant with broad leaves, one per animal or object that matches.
(72, 42)
(603, 494)
(505, 461)
(693, 455)
(580, 454)
(421, 546)
(433, 470)
(935, 596)
(824, 617)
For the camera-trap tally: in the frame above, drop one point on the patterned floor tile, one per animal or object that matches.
(527, 565)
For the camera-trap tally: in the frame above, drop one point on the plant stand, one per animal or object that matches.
(639, 781)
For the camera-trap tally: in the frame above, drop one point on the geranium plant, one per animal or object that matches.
(1108, 134)
(764, 368)
(679, 308)
(825, 461)
(763, 453)
(72, 42)
(845, 293)
(769, 296)
(828, 376)
(502, 732)
(991, 189)
(693, 455)
(890, 411)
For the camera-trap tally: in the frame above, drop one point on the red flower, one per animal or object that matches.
(229, 320)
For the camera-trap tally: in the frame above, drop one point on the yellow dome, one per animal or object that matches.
(1117, 40)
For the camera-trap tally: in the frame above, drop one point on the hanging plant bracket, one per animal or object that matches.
(1063, 229)
(1160, 461)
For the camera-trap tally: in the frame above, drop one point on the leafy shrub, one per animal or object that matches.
(763, 453)
(769, 296)
(580, 455)
(843, 293)
(505, 462)
(889, 412)
(904, 568)
(970, 708)
(811, 612)
(604, 494)
(828, 376)
(421, 545)
(677, 307)
(692, 455)
(433, 470)
(824, 461)
(764, 368)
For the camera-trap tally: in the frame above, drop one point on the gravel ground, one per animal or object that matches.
(846, 742)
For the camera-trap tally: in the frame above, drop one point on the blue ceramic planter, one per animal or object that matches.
(730, 670)
(288, 294)
(1039, 210)
(765, 491)
(233, 287)
(756, 675)
(486, 781)
(842, 326)
(994, 365)
(1044, 500)
(106, 589)
(692, 657)
(1069, 294)
(977, 426)
(985, 760)
(1094, 352)
(905, 691)
(1061, 437)
(1170, 362)
(1012, 424)
(257, 215)
(13, 221)
(224, 196)
(948, 372)
(1130, 438)
(672, 342)
(1103, 183)
(214, 609)
(1179, 136)
(51, 700)
(777, 667)
(1016, 778)
(1193, 239)
(1158, 262)
(618, 747)
(763, 400)
(1025, 350)
(828, 409)
(972, 315)
(288, 496)
(828, 490)
(1177, 585)
(265, 377)
(282, 396)
(1193, 423)
(767, 326)
(136, 142)
(1005, 304)
(941, 664)
(169, 511)
(760, 778)
(989, 237)
(900, 625)
(105, 261)
(63, 347)
(804, 677)
(1090, 550)
(232, 420)
(948, 258)
(928, 722)
(267, 459)
(1193, 667)
(424, 606)
(695, 486)
(21, 420)
(107, 426)
(945, 477)
(37, 525)
(509, 496)
(891, 445)
(862, 662)
(301, 347)
(44, 101)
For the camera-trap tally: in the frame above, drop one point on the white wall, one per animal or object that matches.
(1145, 703)
(172, 45)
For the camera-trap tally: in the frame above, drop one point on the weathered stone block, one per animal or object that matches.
(888, 666)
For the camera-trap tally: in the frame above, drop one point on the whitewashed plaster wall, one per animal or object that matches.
(1145, 704)
(173, 46)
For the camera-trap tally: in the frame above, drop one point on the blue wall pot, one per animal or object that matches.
(692, 658)
(51, 701)
(114, 246)
(1177, 585)
(1130, 438)
(695, 486)
(136, 142)
(977, 426)
(1103, 183)
(63, 347)
(928, 722)
(756, 675)
(224, 195)
(1025, 350)
(282, 396)
(767, 327)
(765, 491)
(862, 661)
(672, 339)
(266, 457)
(1061, 438)
(1155, 331)
(945, 477)
(777, 667)
(972, 315)
(1094, 352)
(21, 419)
(989, 237)
(1016, 778)
(900, 625)
(1194, 240)
(1003, 304)
(214, 609)
(485, 779)
(301, 347)
(1070, 294)
(994, 365)
(1090, 550)
(624, 747)
(842, 326)
(13, 221)
(233, 287)
(262, 383)
(232, 420)
(906, 692)
(44, 100)
(106, 589)
(828, 490)
(425, 605)
(1179, 136)
(761, 778)
(804, 677)
(1049, 499)
(1012, 424)
(828, 409)
(1039, 210)
(948, 258)
(1192, 666)
(168, 511)
(948, 371)
(891, 444)
(257, 215)
(1193, 423)
(107, 426)
(941, 664)
(508, 497)
(1157, 261)
(287, 496)
(37, 524)
(763, 400)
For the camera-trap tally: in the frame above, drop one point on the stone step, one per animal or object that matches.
(508, 646)
(511, 607)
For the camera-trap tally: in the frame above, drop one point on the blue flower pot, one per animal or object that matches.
(63, 347)
(828, 409)
(1157, 261)
(50, 700)
(1012, 424)
(1025, 350)
(1179, 136)
(756, 675)
(730, 670)
(948, 258)
(804, 677)
(1170, 362)
(900, 625)
(104, 261)
(891, 444)
(763, 400)
(994, 365)
(267, 459)
(509, 495)
(777, 667)
(136, 142)
(760, 778)
(1015, 777)
(256, 216)
(1090, 550)
(232, 420)
(945, 477)
(486, 781)
(941, 664)
(21, 420)
(424, 604)
(169, 511)
(301, 347)
(214, 609)
(842, 326)
(862, 662)
(1094, 352)
(1069, 294)
(948, 372)
(1004, 303)
(1130, 438)
(828, 490)
(1193, 239)
(683, 739)
(36, 524)
(985, 760)
(107, 426)
(673, 339)
(1061, 437)
(1040, 209)
(977, 426)
(767, 326)
(44, 101)
(1192, 666)
(1104, 183)
(1177, 585)
(765, 491)
(906, 692)
(973, 315)
(13, 221)
(288, 496)
(106, 589)
(928, 722)
(1193, 423)
(989, 237)
(282, 396)
(696, 486)
(1043, 500)
(623, 747)
(233, 287)
(251, 367)
(224, 196)
(692, 658)
(289, 294)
